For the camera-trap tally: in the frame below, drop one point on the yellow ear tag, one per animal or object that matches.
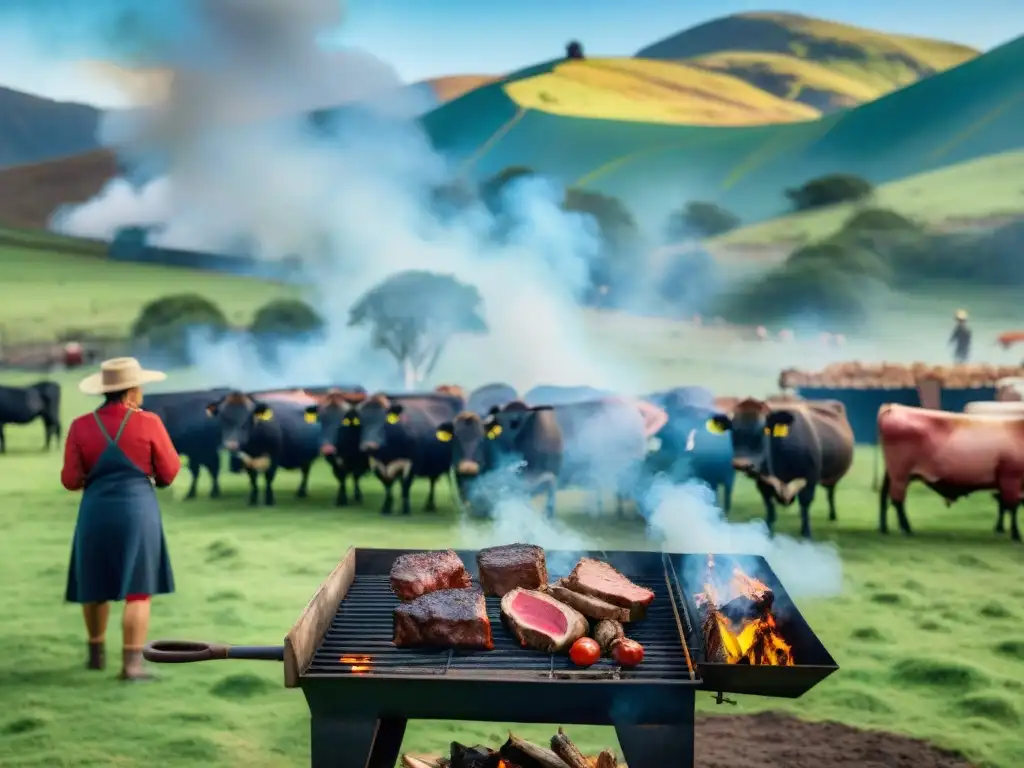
(780, 430)
(714, 427)
(311, 418)
(355, 422)
(267, 415)
(443, 436)
(393, 418)
(494, 432)
(346, 422)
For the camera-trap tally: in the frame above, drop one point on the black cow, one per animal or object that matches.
(397, 434)
(525, 440)
(195, 436)
(266, 439)
(22, 405)
(490, 396)
(689, 446)
(789, 449)
(339, 442)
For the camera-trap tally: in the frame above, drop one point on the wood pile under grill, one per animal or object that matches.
(858, 375)
(516, 752)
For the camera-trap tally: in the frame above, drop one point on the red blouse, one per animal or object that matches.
(144, 441)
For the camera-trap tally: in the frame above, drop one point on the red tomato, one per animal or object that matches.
(585, 652)
(627, 653)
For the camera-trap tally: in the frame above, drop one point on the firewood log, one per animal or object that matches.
(528, 755)
(714, 650)
(562, 746)
(411, 761)
(606, 760)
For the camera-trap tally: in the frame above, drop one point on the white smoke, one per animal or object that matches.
(354, 204)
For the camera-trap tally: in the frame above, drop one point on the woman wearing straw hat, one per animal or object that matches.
(115, 455)
(961, 338)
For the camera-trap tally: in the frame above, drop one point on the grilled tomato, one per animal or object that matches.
(627, 653)
(585, 652)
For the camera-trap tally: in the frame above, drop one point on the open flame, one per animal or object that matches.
(357, 664)
(740, 616)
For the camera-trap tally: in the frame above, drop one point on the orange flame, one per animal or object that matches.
(755, 640)
(357, 664)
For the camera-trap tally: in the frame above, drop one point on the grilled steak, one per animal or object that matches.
(597, 578)
(419, 573)
(539, 621)
(511, 566)
(446, 618)
(590, 606)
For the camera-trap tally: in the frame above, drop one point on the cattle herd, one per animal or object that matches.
(494, 441)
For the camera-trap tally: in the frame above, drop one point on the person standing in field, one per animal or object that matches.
(961, 338)
(116, 455)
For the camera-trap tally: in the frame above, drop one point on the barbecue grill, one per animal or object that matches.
(361, 689)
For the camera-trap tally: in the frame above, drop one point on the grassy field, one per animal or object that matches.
(881, 60)
(652, 92)
(963, 114)
(978, 189)
(927, 630)
(48, 291)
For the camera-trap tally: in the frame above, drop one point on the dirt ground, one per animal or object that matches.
(772, 740)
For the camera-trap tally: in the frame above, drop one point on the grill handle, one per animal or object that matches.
(183, 651)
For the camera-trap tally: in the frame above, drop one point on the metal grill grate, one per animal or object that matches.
(359, 642)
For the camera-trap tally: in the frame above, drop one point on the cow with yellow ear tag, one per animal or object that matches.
(399, 436)
(265, 436)
(339, 435)
(789, 449)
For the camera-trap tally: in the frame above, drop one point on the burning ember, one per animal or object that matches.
(357, 664)
(737, 620)
(516, 753)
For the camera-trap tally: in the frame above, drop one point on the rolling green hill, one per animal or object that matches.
(817, 62)
(965, 113)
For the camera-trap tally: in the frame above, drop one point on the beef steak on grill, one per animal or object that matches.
(597, 578)
(540, 621)
(446, 618)
(419, 573)
(509, 566)
(590, 606)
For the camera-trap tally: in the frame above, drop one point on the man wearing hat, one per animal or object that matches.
(961, 338)
(115, 455)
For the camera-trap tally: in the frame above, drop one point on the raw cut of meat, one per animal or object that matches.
(420, 573)
(509, 566)
(446, 618)
(539, 621)
(597, 578)
(590, 606)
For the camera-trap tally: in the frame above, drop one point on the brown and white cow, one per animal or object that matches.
(955, 454)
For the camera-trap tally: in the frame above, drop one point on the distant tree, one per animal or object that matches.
(452, 197)
(700, 219)
(492, 189)
(829, 190)
(283, 321)
(574, 50)
(413, 315)
(164, 325)
(880, 220)
(841, 257)
(615, 222)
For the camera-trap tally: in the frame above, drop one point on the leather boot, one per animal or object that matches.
(97, 656)
(133, 668)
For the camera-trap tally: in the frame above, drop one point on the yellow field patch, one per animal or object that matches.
(641, 90)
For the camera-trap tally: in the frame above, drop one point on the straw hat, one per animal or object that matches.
(117, 375)
(961, 314)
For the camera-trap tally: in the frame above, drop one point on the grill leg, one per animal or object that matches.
(355, 743)
(656, 746)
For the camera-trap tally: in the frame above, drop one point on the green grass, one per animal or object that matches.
(47, 290)
(988, 187)
(921, 647)
(962, 114)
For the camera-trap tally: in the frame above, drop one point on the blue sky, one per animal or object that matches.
(39, 39)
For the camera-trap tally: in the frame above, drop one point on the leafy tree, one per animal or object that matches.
(701, 219)
(491, 189)
(880, 220)
(841, 257)
(163, 325)
(286, 318)
(829, 190)
(414, 314)
(574, 50)
(620, 258)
